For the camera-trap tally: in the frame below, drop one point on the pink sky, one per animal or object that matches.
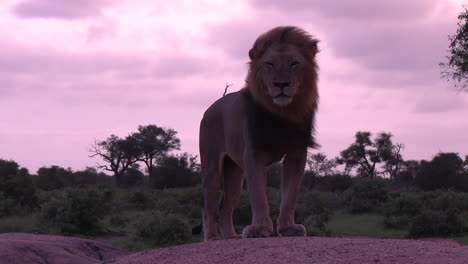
(72, 72)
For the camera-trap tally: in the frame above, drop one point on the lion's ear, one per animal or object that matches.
(314, 46)
(252, 54)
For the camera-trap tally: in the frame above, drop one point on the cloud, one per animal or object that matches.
(101, 31)
(368, 10)
(60, 9)
(438, 103)
(137, 65)
(388, 44)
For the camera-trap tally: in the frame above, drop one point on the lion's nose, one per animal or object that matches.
(281, 85)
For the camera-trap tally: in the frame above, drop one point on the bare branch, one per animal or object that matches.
(226, 88)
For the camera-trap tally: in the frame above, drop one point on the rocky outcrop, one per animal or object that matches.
(43, 249)
(301, 250)
(19, 248)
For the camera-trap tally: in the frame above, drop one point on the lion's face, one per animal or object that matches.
(283, 68)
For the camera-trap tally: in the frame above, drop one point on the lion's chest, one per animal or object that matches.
(272, 134)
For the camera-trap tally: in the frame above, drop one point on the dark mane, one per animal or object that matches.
(306, 101)
(272, 133)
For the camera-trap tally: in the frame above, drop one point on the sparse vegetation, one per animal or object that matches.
(416, 199)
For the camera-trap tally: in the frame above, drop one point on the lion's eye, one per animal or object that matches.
(269, 64)
(294, 64)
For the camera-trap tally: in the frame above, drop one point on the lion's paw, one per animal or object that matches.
(257, 231)
(233, 236)
(292, 230)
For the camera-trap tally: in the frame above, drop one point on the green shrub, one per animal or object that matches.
(445, 200)
(74, 211)
(436, 223)
(162, 229)
(140, 200)
(396, 222)
(7, 205)
(242, 213)
(400, 208)
(119, 221)
(366, 195)
(311, 203)
(316, 225)
(334, 183)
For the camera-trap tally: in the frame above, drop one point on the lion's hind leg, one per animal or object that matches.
(232, 188)
(211, 189)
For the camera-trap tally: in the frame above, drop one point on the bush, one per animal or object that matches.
(445, 199)
(334, 183)
(162, 229)
(312, 204)
(242, 213)
(366, 195)
(401, 208)
(16, 188)
(74, 211)
(436, 223)
(7, 205)
(176, 172)
(316, 225)
(445, 170)
(140, 200)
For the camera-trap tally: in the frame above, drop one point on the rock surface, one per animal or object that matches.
(19, 248)
(307, 250)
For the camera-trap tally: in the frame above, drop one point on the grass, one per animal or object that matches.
(369, 225)
(23, 224)
(462, 240)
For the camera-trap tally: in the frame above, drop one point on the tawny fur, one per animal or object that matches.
(269, 120)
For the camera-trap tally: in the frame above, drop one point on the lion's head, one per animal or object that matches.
(283, 73)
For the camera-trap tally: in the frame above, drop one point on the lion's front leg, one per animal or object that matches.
(261, 226)
(291, 178)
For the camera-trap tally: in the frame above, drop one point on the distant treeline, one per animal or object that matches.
(426, 198)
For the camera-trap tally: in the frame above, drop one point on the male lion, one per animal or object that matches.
(270, 119)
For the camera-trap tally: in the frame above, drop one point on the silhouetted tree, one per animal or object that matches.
(465, 164)
(118, 153)
(177, 171)
(133, 177)
(394, 162)
(53, 178)
(445, 170)
(16, 185)
(407, 173)
(89, 177)
(366, 154)
(456, 66)
(319, 165)
(154, 143)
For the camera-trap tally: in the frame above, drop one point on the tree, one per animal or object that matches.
(465, 164)
(445, 170)
(407, 173)
(394, 162)
(319, 165)
(366, 154)
(154, 143)
(133, 177)
(89, 177)
(118, 153)
(53, 178)
(456, 66)
(16, 186)
(177, 171)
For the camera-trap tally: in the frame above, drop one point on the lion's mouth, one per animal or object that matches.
(282, 95)
(282, 99)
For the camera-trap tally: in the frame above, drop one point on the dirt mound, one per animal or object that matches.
(307, 250)
(18, 248)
